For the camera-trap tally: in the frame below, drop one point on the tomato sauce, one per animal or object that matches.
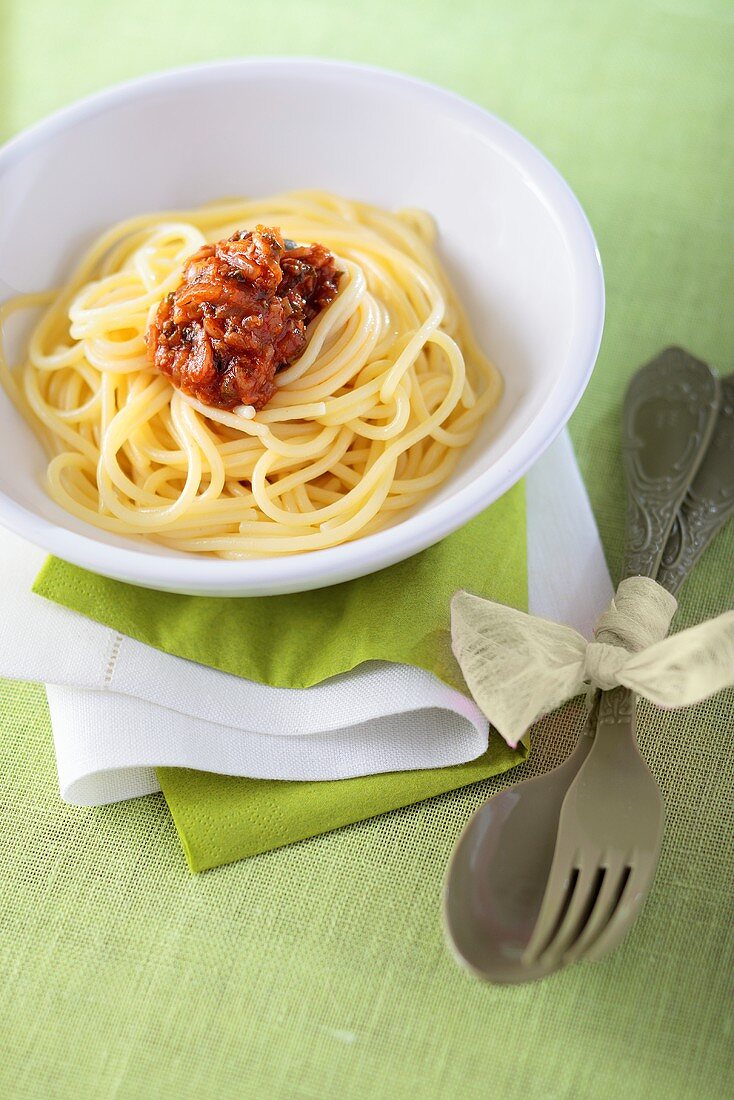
(239, 315)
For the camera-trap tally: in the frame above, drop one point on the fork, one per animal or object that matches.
(611, 823)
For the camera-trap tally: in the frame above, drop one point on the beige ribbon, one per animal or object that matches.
(519, 667)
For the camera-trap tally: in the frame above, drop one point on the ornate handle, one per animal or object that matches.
(669, 413)
(709, 502)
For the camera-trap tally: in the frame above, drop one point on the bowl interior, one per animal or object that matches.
(265, 126)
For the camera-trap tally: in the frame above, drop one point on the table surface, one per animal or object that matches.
(319, 970)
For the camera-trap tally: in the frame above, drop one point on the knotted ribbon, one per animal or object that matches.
(519, 667)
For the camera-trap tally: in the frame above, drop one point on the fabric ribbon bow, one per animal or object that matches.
(519, 667)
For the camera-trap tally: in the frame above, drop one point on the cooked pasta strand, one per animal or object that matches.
(369, 420)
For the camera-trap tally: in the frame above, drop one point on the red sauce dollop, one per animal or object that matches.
(239, 315)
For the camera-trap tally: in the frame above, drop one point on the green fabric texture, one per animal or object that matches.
(318, 971)
(400, 614)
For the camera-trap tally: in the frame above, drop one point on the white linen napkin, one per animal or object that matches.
(120, 708)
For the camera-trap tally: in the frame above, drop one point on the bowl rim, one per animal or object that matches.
(320, 568)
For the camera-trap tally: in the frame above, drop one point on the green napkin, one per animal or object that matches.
(220, 818)
(400, 614)
(320, 971)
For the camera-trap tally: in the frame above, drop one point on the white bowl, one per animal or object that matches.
(512, 235)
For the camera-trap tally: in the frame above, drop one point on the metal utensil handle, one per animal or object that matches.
(670, 409)
(668, 417)
(709, 502)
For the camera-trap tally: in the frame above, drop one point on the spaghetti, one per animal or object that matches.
(362, 425)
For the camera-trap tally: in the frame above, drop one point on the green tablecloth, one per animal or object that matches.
(319, 970)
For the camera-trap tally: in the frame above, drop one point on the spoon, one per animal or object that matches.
(498, 872)
(611, 825)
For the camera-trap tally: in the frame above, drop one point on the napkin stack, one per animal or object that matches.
(120, 709)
